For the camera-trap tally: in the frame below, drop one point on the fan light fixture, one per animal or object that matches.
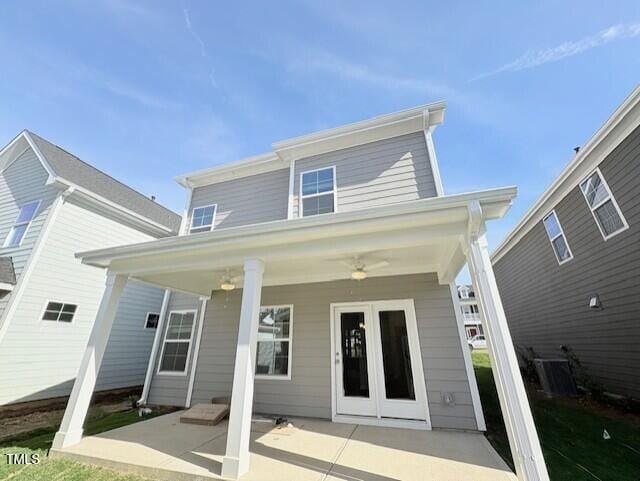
(227, 284)
(358, 274)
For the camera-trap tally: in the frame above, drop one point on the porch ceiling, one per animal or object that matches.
(413, 237)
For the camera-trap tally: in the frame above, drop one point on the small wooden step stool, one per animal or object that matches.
(205, 414)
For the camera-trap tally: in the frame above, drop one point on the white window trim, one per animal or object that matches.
(146, 319)
(51, 322)
(15, 224)
(561, 234)
(190, 341)
(213, 219)
(309, 196)
(279, 377)
(605, 236)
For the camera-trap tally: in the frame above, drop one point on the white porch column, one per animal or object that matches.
(236, 459)
(523, 437)
(70, 431)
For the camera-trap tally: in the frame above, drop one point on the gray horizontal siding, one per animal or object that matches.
(308, 393)
(127, 356)
(169, 390)
(547, 304)
(248, 200)
(378, 173)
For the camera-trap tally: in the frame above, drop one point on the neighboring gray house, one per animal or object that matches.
(317, 280)
(53, 205)
(569, 273)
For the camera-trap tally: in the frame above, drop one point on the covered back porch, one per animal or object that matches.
(435, 236)
(307, 450)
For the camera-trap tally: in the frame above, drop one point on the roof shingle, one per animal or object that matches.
(75, 170)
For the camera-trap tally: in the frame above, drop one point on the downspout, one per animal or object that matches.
(431, 152)
(154, 348)
(194, 362)
(292, 180)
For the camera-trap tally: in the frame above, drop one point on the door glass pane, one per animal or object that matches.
(398, 378)
(355, 374)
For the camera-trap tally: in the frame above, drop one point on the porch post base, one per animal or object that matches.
(65, 439)
(233, 468)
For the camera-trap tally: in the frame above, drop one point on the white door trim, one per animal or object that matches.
(419, 379)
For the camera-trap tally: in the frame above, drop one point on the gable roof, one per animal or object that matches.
(618, 126)
(70, 169)
(416, 119)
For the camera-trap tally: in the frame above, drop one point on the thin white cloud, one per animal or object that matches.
(194, 34)
(535, 58)
(330, 64)
(70, 71)
(203, 47)
(127, 8)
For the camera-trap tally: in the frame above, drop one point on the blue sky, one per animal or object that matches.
(149, 90)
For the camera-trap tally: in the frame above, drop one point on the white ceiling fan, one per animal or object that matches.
(360, 267)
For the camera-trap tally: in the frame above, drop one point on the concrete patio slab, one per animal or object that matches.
(309, 450)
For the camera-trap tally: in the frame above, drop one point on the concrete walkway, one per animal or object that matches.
(311, 450)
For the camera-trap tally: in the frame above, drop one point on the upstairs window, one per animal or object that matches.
(318, 191)
(603, 206)
(557, 238)
(59, 312)
(20, 226)
(202, 219)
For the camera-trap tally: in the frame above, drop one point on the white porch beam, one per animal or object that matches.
(70, 431)
(521, 429)
(236, 459)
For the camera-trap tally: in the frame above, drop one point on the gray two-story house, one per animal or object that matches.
(52, 205)
(569, 272)
(318, 280)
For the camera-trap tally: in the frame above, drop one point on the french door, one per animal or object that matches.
(378, 369)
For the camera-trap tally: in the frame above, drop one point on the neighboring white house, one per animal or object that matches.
(53, 205)
(470, 311)
(317, 280)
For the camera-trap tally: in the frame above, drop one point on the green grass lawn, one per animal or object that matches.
(571, 435)
(39, 441)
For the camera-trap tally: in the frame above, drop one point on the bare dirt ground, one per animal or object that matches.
(29, 416)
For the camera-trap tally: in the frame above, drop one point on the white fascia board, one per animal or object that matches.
(619, 125)
(43, 160)
(439, 210)
(72, 188)
(147, 224)
(377, 128)
(5, 286)
(358, 133)
(256, 164)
